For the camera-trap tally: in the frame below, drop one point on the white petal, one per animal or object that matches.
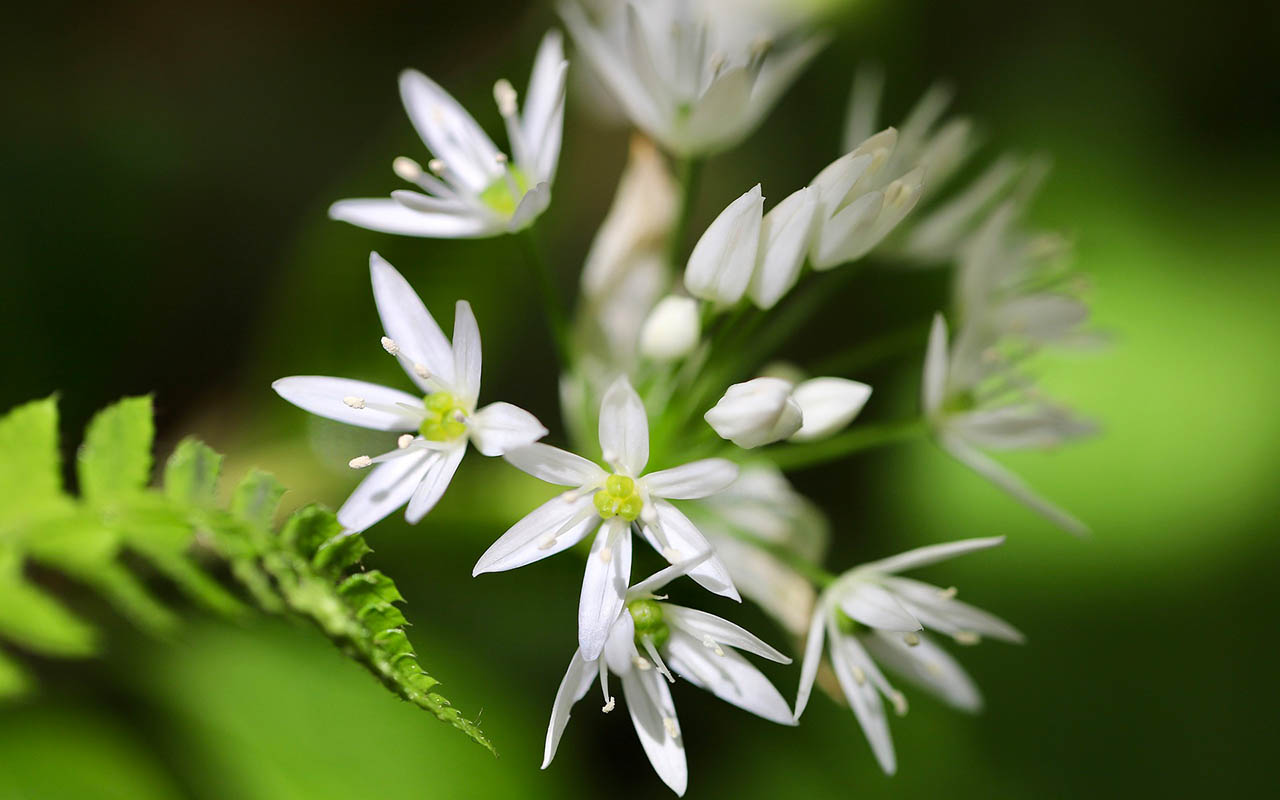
(654, 715)
(533, 203)
(692, 480)
(449, 131)
(828, 404)
(387, 487)
(434, 482)
(863, 696)
(701, 625)
(336, 398)
(934, 383)
(554, 465)
(577, 680)
(388, 216)
(873, 606)
(841, 237)
(523, 542)
(927, 665)
(724, 258)
(1019, 426)
(624, 428)
(408, 323)
(620, 649)
(725, 99)
(684, 541)
(785, 234)
(672, 329)
(940, 611)
(931, 554)
(776, 74)
(1013, 485)
(835, 180)
(466, 354)
(755, 412)
(1044, 317)
(609, 63)
(667, 574)
(604, 586)
(500, 427)
(728, 676)
(542, 120)
(812, 658)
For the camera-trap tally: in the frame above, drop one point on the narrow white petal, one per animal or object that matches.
(728, 676)
(387, 487)
(624, 428)
(725, 99)
(604, 586)
(533, 203)
(836, 179)
(388, 216)
(701, 625)
(876, 607)
(940, 611)
(693, 480)
(620, 648)
(1012, 485)
(928, 666)
(500, 427)
(577, 680)
(667, 574)
(724, 258)
(812, 658)
(449, 131)
(609, 62)
(542, 121)
(367, 405)
(1019, 426)
(554, 465)
(934, 384)
(855, 671)
(785, 235)
(434, 483)
(407, 321)
(840, 239)
(931, 554)
(528, 540)
(683, 541)
(828, 404)
(654, 716)
(466, 354)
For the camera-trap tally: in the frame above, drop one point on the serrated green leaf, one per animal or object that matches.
(13, 679)
(393, 645)
(256, 498)
(308, 528)
(378, 617)
(115, 459)
(191, 474)
(340, 553)
(33, 619)
(30, 476)
(364, 588)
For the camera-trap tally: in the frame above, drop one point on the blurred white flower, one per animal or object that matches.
(612, 503)
(436, 428)
(648, 642)
(697, 76)
(870, 611)
(672, 329)
(470, 189)
(756, 412)
(827, 405)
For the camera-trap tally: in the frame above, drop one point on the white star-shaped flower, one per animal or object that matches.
(650, 640)
(435, 428)
(470, 189)
(870, 611)
(612, 502)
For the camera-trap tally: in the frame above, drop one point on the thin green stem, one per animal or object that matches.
(863, 437)
(689, 173)
(557, 321)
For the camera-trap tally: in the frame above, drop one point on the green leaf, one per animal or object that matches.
(340, 553)
(115, 459)
(308, 528)
(13, 680)
(30, 478)
(33, 619)
(191, 474)
(255, 499)
(364, 588)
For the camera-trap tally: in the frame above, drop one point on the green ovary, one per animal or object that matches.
(498, 196)
(647, 616)
(848, 625)
(618, 498)
(443, 423)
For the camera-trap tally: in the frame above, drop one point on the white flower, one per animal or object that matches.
(768, 409)
(756, 412)
(612, 503)
(759, 514)
(672, 329)
(470, 189)
(436, 428)
(870, 611)
(686, 73)
(647, 642)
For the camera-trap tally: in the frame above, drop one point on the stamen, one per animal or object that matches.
(360, 462)
(670, 724)
(671, 554)
(948, 593)
(504, 94)
(657, 658)
(608, 706)
(421, 371)
(859, 677)
(571, 495)
(610, 456)
(966, 637)
(436, 166)
(404, 441)
(354, 402)
(547, 542)
(641, 662)
(606, 554)
(407, 169)
(911, 639)
(712, 645)
(501, 159)
(899, 701)
(604, 687)
(390, 346)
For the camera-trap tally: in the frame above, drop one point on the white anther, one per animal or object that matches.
(899, 701)
(947, 593)
(911, 639)
(671, 554)
(390, 345)
(570, 496)
(355, 402)
(610, 456)
(436, 166)
(547, 542)
(712, 645)
(606, 554)
(966, 637)
(896, 193)
(641, 663)
(878, 157)
(500, 158)
(505, 96)
(607, 707)
(407, 169)
(421, 371)
(360, 462)
(404, 441)
(859, 677)
(673, 730)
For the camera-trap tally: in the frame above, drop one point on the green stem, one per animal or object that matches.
(689, 173)
(557, 320)
(863, 437)
(865, 354)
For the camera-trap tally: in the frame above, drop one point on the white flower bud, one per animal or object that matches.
(755, 413)
(828, 404)
(672, 328)
(725, 257)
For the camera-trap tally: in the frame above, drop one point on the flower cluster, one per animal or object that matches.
(666, 382)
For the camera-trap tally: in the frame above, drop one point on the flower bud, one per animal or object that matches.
(725, 257)
(672, 328)
(755, 413)
(828, 404)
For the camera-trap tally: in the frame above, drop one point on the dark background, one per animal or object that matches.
(166, 170)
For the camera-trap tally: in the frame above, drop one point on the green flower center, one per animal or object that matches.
(498, 195)
(445, 418)
(618, 498)
(848, 625)
(959, 403)
(647, 616)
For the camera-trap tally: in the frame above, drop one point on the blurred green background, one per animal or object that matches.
(166, 169)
